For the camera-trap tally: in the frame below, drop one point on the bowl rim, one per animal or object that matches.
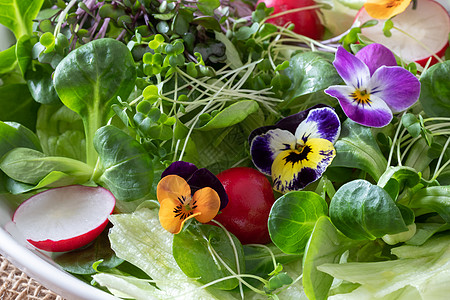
(46, 273)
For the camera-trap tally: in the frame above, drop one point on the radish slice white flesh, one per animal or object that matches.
(65, 218)
(429, 23)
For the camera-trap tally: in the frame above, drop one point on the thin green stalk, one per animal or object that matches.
(437, 170)
(62, 16)
(274, 261)
(391, 152)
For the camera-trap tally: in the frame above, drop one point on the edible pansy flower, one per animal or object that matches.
(186, 192)
(375, 86)
(298, 149)
(385, 9)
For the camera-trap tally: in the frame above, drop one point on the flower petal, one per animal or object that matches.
(375, 56)
(173, 187)
(321, 123)
(265, 148)
(180, 168)
(396, 86)
(172, 215)
(205, 204)
(385, 9)
(374, 114)
(293, 169)
(291, 122)
(204, 178)
(353, 71)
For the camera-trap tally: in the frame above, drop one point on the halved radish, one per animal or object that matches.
(65, 218)
(427, 28)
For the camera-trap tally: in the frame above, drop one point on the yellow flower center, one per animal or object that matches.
(184, 209)
(361, 97)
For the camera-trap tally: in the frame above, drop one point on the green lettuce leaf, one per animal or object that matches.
(139, 239)
(421, 272)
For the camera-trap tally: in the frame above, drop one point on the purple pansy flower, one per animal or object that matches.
(375, 86)
(197, 179)
(298, 149)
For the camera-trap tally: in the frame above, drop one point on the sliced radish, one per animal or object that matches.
(429, 23)
(65, 218)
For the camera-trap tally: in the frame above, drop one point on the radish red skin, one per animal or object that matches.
(306, 22)
(102, 196)
(250, 198)
(69, 244)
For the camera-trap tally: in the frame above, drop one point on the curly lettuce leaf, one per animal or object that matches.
(420, 272)
(139, 239)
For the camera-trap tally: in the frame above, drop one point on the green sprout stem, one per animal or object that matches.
(437, 170)
(62, 16)
(391, 152)
(274, 261)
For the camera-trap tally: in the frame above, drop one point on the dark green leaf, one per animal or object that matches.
(405, 176)
(81, 261)
(127, 168)
(193, 254)
(412, 124)
(357, 148)
(208, 22)
(231, 115)
(245, 32)
(60, 131)
(17, 105)
(24, 48)
(258, 260)
(361, 211)
(292, 220)
(208, 6)
(40, 84)
(14, 135)
(311, 72)
(435, 90)
(436, 198)
(182, 20)
(89, 79)
(8, 60)
(31, 166)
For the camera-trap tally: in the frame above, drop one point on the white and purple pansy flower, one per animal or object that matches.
(375, 86)
(298, 149)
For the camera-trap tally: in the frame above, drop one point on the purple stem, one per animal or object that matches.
(101, 33)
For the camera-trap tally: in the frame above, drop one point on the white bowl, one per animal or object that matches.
(39, 265)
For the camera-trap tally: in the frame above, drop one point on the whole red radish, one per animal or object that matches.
(307, 22)
(250, 198)
(65, 218)
(418, 35)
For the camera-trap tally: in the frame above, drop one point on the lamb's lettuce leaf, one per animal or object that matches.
(125, 167)
(361, 210)
(31, 166)
(89, 80)
(357, 148)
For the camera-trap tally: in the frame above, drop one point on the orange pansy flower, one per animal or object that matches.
(178, 205)
(385, 9)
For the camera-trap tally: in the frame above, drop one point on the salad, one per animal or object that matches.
(206, 149)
